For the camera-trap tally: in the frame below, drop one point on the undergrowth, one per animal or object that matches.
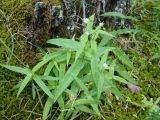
(143, 49)
(79, 74)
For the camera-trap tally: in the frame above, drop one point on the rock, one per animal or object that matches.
(134, 88)
(48, 20)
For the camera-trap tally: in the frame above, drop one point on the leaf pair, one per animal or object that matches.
(30, 74)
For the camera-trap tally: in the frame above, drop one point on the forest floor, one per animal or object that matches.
(145, 56)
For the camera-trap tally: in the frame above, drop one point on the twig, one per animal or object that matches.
(11, 52)
(84, 9)
(84, 13)
(39, 97)
(76, 116)
(34, 113)
(35, 107)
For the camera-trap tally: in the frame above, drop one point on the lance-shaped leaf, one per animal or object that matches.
(122, 72)
(83, 87)
(120, 79)
(123, 57)
(84, 101)
(118, 14)
(47, 108)
(68, 57)
(89, 26)
(125, 31)
(49, 68)
(33, 91)
(100, 85)
(17, 69)
(40, 64)
(107, 34)
(84, 108)
(95, 69)
(66, 43)
(64, 83)
(111, 86)
(48, 78)
(83, 42)
(24, 83)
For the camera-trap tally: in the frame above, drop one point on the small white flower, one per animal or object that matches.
(105, 65)
(85, 20)
(68, 27)
(121, 4)
(101, 24)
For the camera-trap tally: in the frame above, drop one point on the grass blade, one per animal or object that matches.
(61, 102)
(125, 31)
(81, 84)
(103, 60)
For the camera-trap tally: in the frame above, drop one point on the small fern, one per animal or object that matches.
(154, 112)
(153, 115)
(154, 108)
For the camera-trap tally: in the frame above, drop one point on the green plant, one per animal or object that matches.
(78, 73)
(154, 109)
(118, 14)
(149, 24)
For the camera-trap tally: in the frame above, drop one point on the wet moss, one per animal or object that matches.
(10, 106)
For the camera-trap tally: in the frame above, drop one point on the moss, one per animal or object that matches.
(123, 110)
(147, 75)
(10, 106)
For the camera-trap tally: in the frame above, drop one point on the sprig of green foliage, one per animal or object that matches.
(77, 73)
(154, 109)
